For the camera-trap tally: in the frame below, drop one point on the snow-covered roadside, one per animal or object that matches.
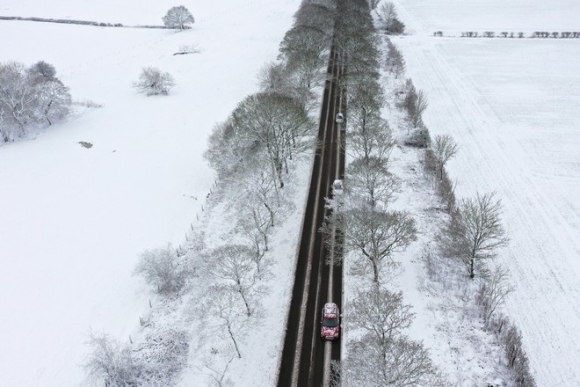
(261, 343)
(516, 124)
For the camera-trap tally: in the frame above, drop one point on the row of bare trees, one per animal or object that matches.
(254, 151)
(379, 353)
(506, 34)
(472, 236)
(30, 97)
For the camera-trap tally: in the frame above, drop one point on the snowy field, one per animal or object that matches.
(74, 220)
(512, 105)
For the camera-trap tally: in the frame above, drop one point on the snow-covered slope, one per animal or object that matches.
(74, 220)
(512, 105)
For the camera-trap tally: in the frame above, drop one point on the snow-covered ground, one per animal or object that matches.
(512, 105)
(74, 219)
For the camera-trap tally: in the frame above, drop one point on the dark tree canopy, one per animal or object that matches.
(44, 69)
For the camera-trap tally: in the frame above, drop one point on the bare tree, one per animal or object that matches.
(234, 263)
(370, 136)
(218, 374)
(381, 313)
(371, 181)
(54, 99)
(387, 13)
(112, 363)
(18, 97)
(161, 269)
(256, 209)
(400, 363)
(475, 232)
(225, 313)
(230, 150)
(296, 82)
(178, 17)
(154, 82)
(395, 61)
(255, 227)
(444, 149)
(304, 50)
(279, 124)
(305, 44)
(365, 98)
(376, 235)
(493, 290)
(415, 103)
(258, 186)
(311, 14)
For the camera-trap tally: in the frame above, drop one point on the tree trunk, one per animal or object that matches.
(375, 271)
(234, 340)
(248, 311)
(471, 268)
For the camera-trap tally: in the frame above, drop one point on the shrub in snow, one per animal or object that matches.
(112, 363)
(165, 353)
(178, 17)
(419, 138)
(154, 82)
(397, 27)
(161, 270)
(188, 49)
(44, 69)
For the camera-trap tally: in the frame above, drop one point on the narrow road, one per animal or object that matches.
(303, 360)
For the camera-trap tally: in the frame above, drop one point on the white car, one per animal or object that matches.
(339, 118)
(337, 188)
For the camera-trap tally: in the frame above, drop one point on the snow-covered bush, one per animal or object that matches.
(165, 352)
(44, 69)
(154, 82)
(419, 138)
(112, 363)
(161, 269)
(29, 97)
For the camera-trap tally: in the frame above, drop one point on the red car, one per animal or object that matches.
(330, 324)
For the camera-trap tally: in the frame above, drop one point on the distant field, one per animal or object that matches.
(514, 108)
